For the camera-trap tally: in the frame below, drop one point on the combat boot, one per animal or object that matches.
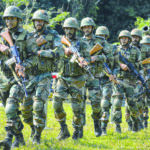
(104, 132)
(32, 131)
(103, 127)
(64, 133)
(19, 140)
(76, 134)
(118, 128)
(97, 128)
(130, 125)
(140, 127)
(81, 132)
(145, 124)
(37, 138)
(7, 142)
(135, 127)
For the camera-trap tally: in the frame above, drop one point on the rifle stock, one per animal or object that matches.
(95, 49)
(65, 41)
(6, 36)
(146, 61)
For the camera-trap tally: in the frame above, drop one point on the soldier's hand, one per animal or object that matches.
(39, 52)
(20, 70)
(4, 49)
(93, 59)
(82, 62)
(67, 51)
(124, 67)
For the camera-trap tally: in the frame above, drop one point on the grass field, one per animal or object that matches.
(125, 141)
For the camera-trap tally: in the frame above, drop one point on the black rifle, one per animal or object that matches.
(137, 75)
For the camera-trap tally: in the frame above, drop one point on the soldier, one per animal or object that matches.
(136, 38)
(103, 31)
(105, 83)
(127, 81)
(71, 80)
(93, 86)
(47, 40)
(146, 54)
(13, 91)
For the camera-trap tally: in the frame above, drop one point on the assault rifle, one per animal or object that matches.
(137, 75)
(15, 56)
(76, 54)
(108, 72)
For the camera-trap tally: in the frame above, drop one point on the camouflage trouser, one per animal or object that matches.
(118, 93)
(106, 103)
(94, 96)
(147, 104)
(35, 102)
(14, 124)
(74, 87)
(140, 102)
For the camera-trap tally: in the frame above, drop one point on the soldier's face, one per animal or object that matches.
(124, 41)
(103, 35)
(70, 32)
(135, 39)
(11, 22)
(38, 24)
(87, 30)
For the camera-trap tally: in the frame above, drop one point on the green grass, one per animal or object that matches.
(125, 141)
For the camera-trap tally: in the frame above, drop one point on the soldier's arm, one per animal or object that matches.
(30, 49)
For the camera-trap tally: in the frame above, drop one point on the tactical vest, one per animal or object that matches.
(68, 69)
(132, 55)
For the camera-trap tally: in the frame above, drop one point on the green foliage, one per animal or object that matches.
(16, 2)
(58, 18)
(141, 22)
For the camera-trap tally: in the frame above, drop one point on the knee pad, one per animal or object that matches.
(38, 105)
(11, 108)
(105, 104)
(117, 103)
(57, 105)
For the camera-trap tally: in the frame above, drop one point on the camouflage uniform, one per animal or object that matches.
(42, 73)
(145, 53)
(106, 85)
(141, 101)
(12, 91)
(71, 81)
(128, 84)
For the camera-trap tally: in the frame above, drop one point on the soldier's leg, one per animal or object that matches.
(94, 95)
(145, 117)
(83, 107)
(117, 98)
(105, 106)
(14, 125)
(128, 119)
(76, 90)
(39, 117)
(132, 106)
(60, 93)
(27, 112)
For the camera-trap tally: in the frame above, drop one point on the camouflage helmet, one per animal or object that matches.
(41, 15)
(12, 11)
(137, 32)
(87, 22)
(71, 22)
(146, 39)
(125, 33)
(102, 30)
